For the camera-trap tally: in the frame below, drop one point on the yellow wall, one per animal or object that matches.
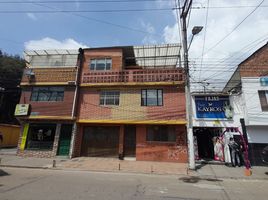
(11, 134)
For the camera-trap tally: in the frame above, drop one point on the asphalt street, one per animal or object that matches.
(28, 184)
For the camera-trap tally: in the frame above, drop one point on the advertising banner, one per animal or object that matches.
(213, 107)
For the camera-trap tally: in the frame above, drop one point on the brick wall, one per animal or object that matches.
(161, 151)
(114, 54)
(256, 65)
(130, 105)
(57, 108)
(59, 74)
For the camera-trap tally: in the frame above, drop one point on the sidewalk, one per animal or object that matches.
(209, 171)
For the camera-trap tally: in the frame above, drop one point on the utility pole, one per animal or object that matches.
(184, 12)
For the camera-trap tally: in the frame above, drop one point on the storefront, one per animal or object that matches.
(45, 139)
(216, 120)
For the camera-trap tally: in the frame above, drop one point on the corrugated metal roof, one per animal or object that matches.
(51, 58)
(153, 56)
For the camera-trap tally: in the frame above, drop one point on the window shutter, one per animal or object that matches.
(263, 100)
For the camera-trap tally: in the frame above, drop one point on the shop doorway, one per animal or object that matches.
(65, 139)
(100, 141)
(205, 138)
(130, 141)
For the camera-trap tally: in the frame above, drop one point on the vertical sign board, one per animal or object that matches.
(264, 81)
(24, 136)
(213, 107)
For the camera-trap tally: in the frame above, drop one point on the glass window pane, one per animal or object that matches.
(92, 64)
(100, 64)
(151, 97)
(143, 97)
(108, 63)
(160, 97)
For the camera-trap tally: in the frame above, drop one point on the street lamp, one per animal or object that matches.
(190, 136)
(195, 31)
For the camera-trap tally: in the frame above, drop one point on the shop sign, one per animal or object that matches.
(264, 81)
(213, 107)
(22, 109)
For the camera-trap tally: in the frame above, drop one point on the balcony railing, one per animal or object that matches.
(138, 76)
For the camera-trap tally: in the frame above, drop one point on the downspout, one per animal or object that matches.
(75, 100)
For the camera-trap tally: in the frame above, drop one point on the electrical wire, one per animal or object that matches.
(204, 40)
(236, 27)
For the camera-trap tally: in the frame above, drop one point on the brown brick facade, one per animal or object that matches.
(57, 108)
(256, 65)
(161, 151)
(130, 105)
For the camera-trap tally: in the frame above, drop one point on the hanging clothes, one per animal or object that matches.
(227, 154)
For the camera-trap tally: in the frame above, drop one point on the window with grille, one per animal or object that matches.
(263, 95)
(109, 97)
(47, 94)
(101, 64)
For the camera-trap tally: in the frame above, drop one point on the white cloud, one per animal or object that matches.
(148, 39)
(220, 23)
(32, 16)
(50, 43)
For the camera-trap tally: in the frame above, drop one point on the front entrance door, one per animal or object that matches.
(65, 139)
(130, 141)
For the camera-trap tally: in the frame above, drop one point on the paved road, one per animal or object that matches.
(28, 184)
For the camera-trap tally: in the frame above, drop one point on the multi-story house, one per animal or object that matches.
(46, 109)
(132, 104)
(125, 101)
(250, 80)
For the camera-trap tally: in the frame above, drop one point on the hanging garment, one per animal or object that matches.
(227, 154)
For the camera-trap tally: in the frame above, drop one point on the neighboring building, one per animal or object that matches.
(215, 115)
(250, 80)
(46, 109)
(126, 102)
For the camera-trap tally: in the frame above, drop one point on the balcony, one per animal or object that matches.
(48, 75)
(134, 76)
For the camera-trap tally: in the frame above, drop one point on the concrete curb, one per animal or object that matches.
(27, 167)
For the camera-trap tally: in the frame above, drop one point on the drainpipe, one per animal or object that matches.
(75, 100)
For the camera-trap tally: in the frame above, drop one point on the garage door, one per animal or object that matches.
(102, 141)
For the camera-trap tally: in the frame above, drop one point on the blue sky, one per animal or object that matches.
(233, 29)
(19, 28)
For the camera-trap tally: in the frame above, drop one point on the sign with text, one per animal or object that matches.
(22, 109)
(213, 107)
(264, 81)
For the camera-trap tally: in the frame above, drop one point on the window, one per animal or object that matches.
(109, 97)
(47, 94)
(152, 97)
(101, 64)
(161, 134)
(41, 136)
(263, 95)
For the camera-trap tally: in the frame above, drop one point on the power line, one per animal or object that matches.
(100, 21)
(220, 41)
(83, 11)
(204, 41)
(79, 1)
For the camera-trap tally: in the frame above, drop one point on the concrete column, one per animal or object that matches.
(73, 139)
(56, 140)
(121, 142)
